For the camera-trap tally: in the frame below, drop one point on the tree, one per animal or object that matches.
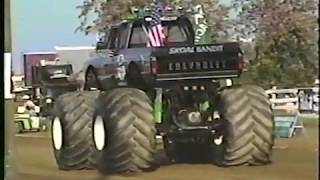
(285, 33)
(105, 13)
(286, 40)
(108, 12)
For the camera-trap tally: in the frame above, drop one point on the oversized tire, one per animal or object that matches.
(249, 134)
(124, 132)
(71, 130)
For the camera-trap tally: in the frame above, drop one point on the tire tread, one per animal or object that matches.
(128, 116)
(75, 110)
(250, 137)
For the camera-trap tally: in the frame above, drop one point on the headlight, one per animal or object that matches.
(48, 100)
(188, 118)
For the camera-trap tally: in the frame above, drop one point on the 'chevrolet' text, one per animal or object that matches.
(196, 65)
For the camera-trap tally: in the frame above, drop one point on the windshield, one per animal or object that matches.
(138, 37)
(51, 70)
(173, 31)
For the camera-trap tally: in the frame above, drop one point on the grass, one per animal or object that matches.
(310, 121)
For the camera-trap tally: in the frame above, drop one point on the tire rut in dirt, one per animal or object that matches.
(130, 131)
(75, 111)
(250, 126)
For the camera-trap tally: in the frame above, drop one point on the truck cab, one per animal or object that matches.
(133, 34)
(124, 57)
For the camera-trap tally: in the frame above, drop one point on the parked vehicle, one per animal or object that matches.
(50, 80)
(284, 99)
(27, 118)
(32, 59)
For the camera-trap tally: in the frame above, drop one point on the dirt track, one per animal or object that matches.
(293, 159)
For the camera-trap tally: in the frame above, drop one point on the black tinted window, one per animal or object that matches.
(175, 34)
(113, 38)
(285, 95)
(51, 70)
(173, 31)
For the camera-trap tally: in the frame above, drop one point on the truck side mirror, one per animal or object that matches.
(101, 45)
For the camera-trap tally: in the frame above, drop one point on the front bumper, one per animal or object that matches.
(191, 136)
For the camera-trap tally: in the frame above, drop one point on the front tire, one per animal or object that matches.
(129, 132)
(72, 130)
(249, 126)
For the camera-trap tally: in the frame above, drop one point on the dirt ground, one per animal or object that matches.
(293, 159)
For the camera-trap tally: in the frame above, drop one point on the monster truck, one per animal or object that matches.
(133, 94)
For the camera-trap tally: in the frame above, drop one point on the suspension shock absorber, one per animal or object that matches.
(158, 105)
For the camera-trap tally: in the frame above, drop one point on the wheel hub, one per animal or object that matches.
(57, 135)
(99, 135)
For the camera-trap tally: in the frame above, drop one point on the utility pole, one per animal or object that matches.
(8, 121)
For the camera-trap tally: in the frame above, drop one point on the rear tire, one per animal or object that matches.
(129, 128)
(72, 130)
(249, 127)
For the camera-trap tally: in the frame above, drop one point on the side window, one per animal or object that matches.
(113, 39)
(123, 36)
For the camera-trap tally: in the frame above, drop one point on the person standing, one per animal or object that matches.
(301, 98)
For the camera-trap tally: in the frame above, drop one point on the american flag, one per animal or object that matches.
(155, 35)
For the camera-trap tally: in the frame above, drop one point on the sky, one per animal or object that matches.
(39, 25)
